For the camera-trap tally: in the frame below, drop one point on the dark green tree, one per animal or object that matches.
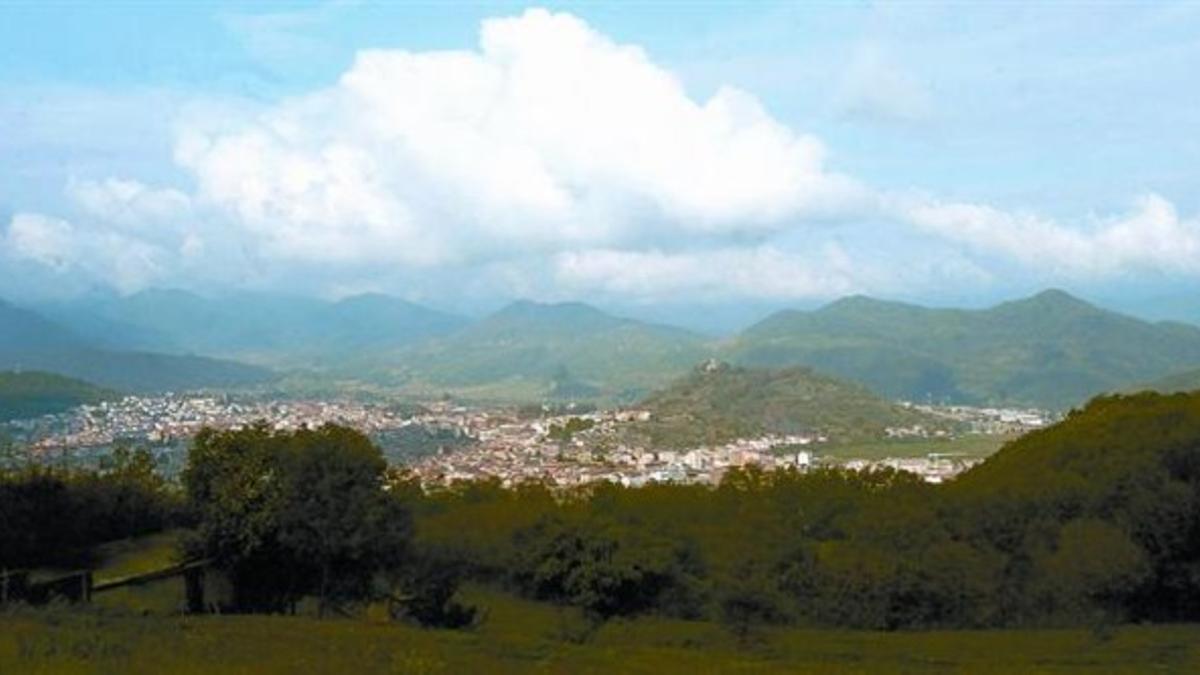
(290, 514)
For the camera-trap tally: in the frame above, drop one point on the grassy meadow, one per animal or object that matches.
(967, 446)
(522, 636)
(136, 630)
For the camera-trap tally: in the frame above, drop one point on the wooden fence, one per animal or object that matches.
(79, 586)
(19, 586)
(191, 571)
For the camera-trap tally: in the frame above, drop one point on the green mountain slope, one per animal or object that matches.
(32, 394)
(1111, 455)
(717, 402)
(556, 349)
(29, 341)
(1050, 350)
(1186, 381)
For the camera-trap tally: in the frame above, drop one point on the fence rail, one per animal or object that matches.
(147, 577)
(79, 585)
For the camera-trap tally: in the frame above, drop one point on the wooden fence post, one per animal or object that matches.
(193, 580)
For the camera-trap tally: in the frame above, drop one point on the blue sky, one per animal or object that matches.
(716, 155)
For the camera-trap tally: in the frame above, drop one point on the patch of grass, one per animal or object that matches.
(523, 636)
(968, 446)
(139, 555)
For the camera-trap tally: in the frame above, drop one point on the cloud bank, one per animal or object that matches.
(557, 154)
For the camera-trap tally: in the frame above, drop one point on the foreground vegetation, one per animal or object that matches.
(521, 636)
(56, 517)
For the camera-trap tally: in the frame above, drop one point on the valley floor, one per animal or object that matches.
(520, 636)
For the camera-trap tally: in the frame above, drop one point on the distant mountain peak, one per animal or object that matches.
(860, 303)
(1052, 299)
(531, 309)
(856, 300)
(537, 305)
(1055, 295)
(370, 299)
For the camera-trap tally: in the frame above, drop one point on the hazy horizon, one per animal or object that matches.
(712, 319)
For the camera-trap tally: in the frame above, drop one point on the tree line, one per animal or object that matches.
(54, 515)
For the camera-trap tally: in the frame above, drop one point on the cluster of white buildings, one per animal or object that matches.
(516, 451)
(933, 468)
(162, 419)
(990, 420)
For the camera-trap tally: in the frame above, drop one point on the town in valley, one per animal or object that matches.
(443, 442)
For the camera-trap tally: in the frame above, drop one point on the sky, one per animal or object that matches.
(671, 159)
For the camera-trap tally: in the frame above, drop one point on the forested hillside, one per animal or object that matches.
(556, 350)
(1050, 350)
(30, 394)
(717, 403)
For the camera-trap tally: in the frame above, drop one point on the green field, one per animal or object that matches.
(140, 555)
(520, 636)
(970, 446)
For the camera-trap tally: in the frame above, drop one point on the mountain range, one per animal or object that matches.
(1049, 350)
(29, 341)
(275, 330)
(564, 350)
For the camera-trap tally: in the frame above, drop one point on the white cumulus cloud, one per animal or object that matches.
(550, 136)
(125, 262)
(129, 202)
(1151, 237)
